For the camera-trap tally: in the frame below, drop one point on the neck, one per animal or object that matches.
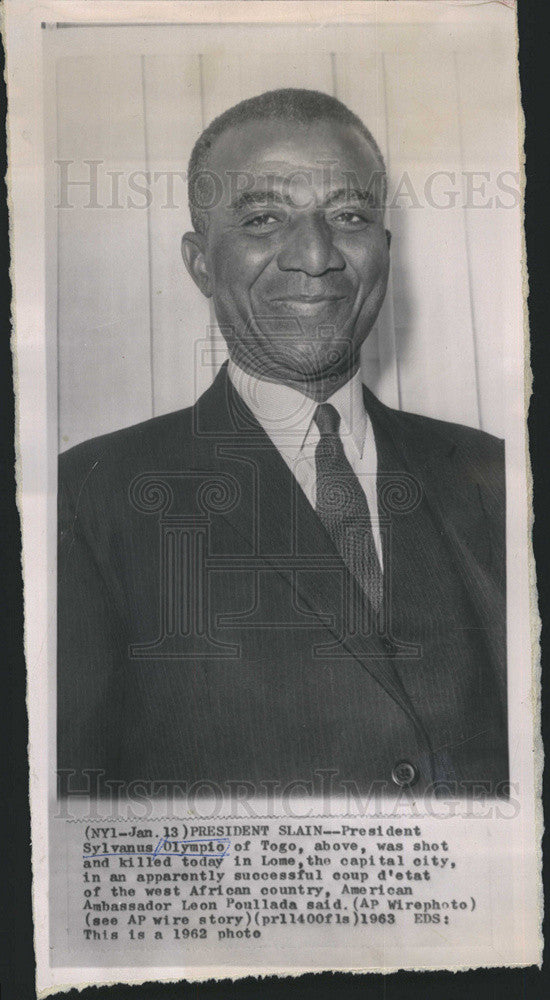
(318, 389)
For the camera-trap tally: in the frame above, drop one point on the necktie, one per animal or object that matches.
(342, 506)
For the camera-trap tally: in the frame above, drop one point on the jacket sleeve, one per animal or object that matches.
(90, 651)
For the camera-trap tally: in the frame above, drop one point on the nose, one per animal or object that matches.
(310, 248)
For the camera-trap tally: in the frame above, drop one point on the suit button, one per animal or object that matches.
(404, 774)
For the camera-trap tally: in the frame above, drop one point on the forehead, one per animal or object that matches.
(323, 150)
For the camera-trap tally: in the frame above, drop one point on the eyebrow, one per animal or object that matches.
(255, 199)
(351, 194)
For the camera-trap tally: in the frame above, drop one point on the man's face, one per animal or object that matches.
(295, 254)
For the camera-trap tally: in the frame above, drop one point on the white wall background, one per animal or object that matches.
(134, 337)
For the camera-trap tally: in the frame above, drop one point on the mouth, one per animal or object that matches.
(307, 303)
(319, 297)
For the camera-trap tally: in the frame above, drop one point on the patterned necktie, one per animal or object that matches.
(342, 506)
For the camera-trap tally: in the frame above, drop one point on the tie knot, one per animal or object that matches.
(327, 418)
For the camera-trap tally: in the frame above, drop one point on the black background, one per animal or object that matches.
(17, 957)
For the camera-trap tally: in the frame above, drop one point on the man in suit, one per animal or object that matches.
(288, 579)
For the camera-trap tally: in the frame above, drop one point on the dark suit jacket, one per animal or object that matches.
(205, 631)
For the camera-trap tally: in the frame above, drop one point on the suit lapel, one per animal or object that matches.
(279, 525)
(454, 495)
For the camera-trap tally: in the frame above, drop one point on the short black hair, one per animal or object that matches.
(289, 104)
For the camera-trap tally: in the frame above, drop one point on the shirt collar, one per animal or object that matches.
(286, 414)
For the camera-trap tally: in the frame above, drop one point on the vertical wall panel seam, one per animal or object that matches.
(334, 74)
(149, 237)
(382, 76)
(58, 268)
(467, 238)
(201, 90)
(212, 326)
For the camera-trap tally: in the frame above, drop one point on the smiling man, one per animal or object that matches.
(288, 580)
(295, 244)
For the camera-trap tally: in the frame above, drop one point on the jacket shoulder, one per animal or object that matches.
(432, 444)
(474, 454)
(458, 434)
(135, 447)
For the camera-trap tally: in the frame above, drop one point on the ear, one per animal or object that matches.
(194, 257)
(388, 238)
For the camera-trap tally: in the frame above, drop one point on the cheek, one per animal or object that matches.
(370, 262)
(235, 265)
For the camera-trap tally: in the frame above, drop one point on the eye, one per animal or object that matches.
(349, 220)
(262, 221)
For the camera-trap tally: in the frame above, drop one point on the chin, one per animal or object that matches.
(329, 357)
(318, 367)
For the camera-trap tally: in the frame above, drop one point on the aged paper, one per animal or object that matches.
(271, 346)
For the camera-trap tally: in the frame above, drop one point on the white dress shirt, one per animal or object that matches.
(286, 416)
